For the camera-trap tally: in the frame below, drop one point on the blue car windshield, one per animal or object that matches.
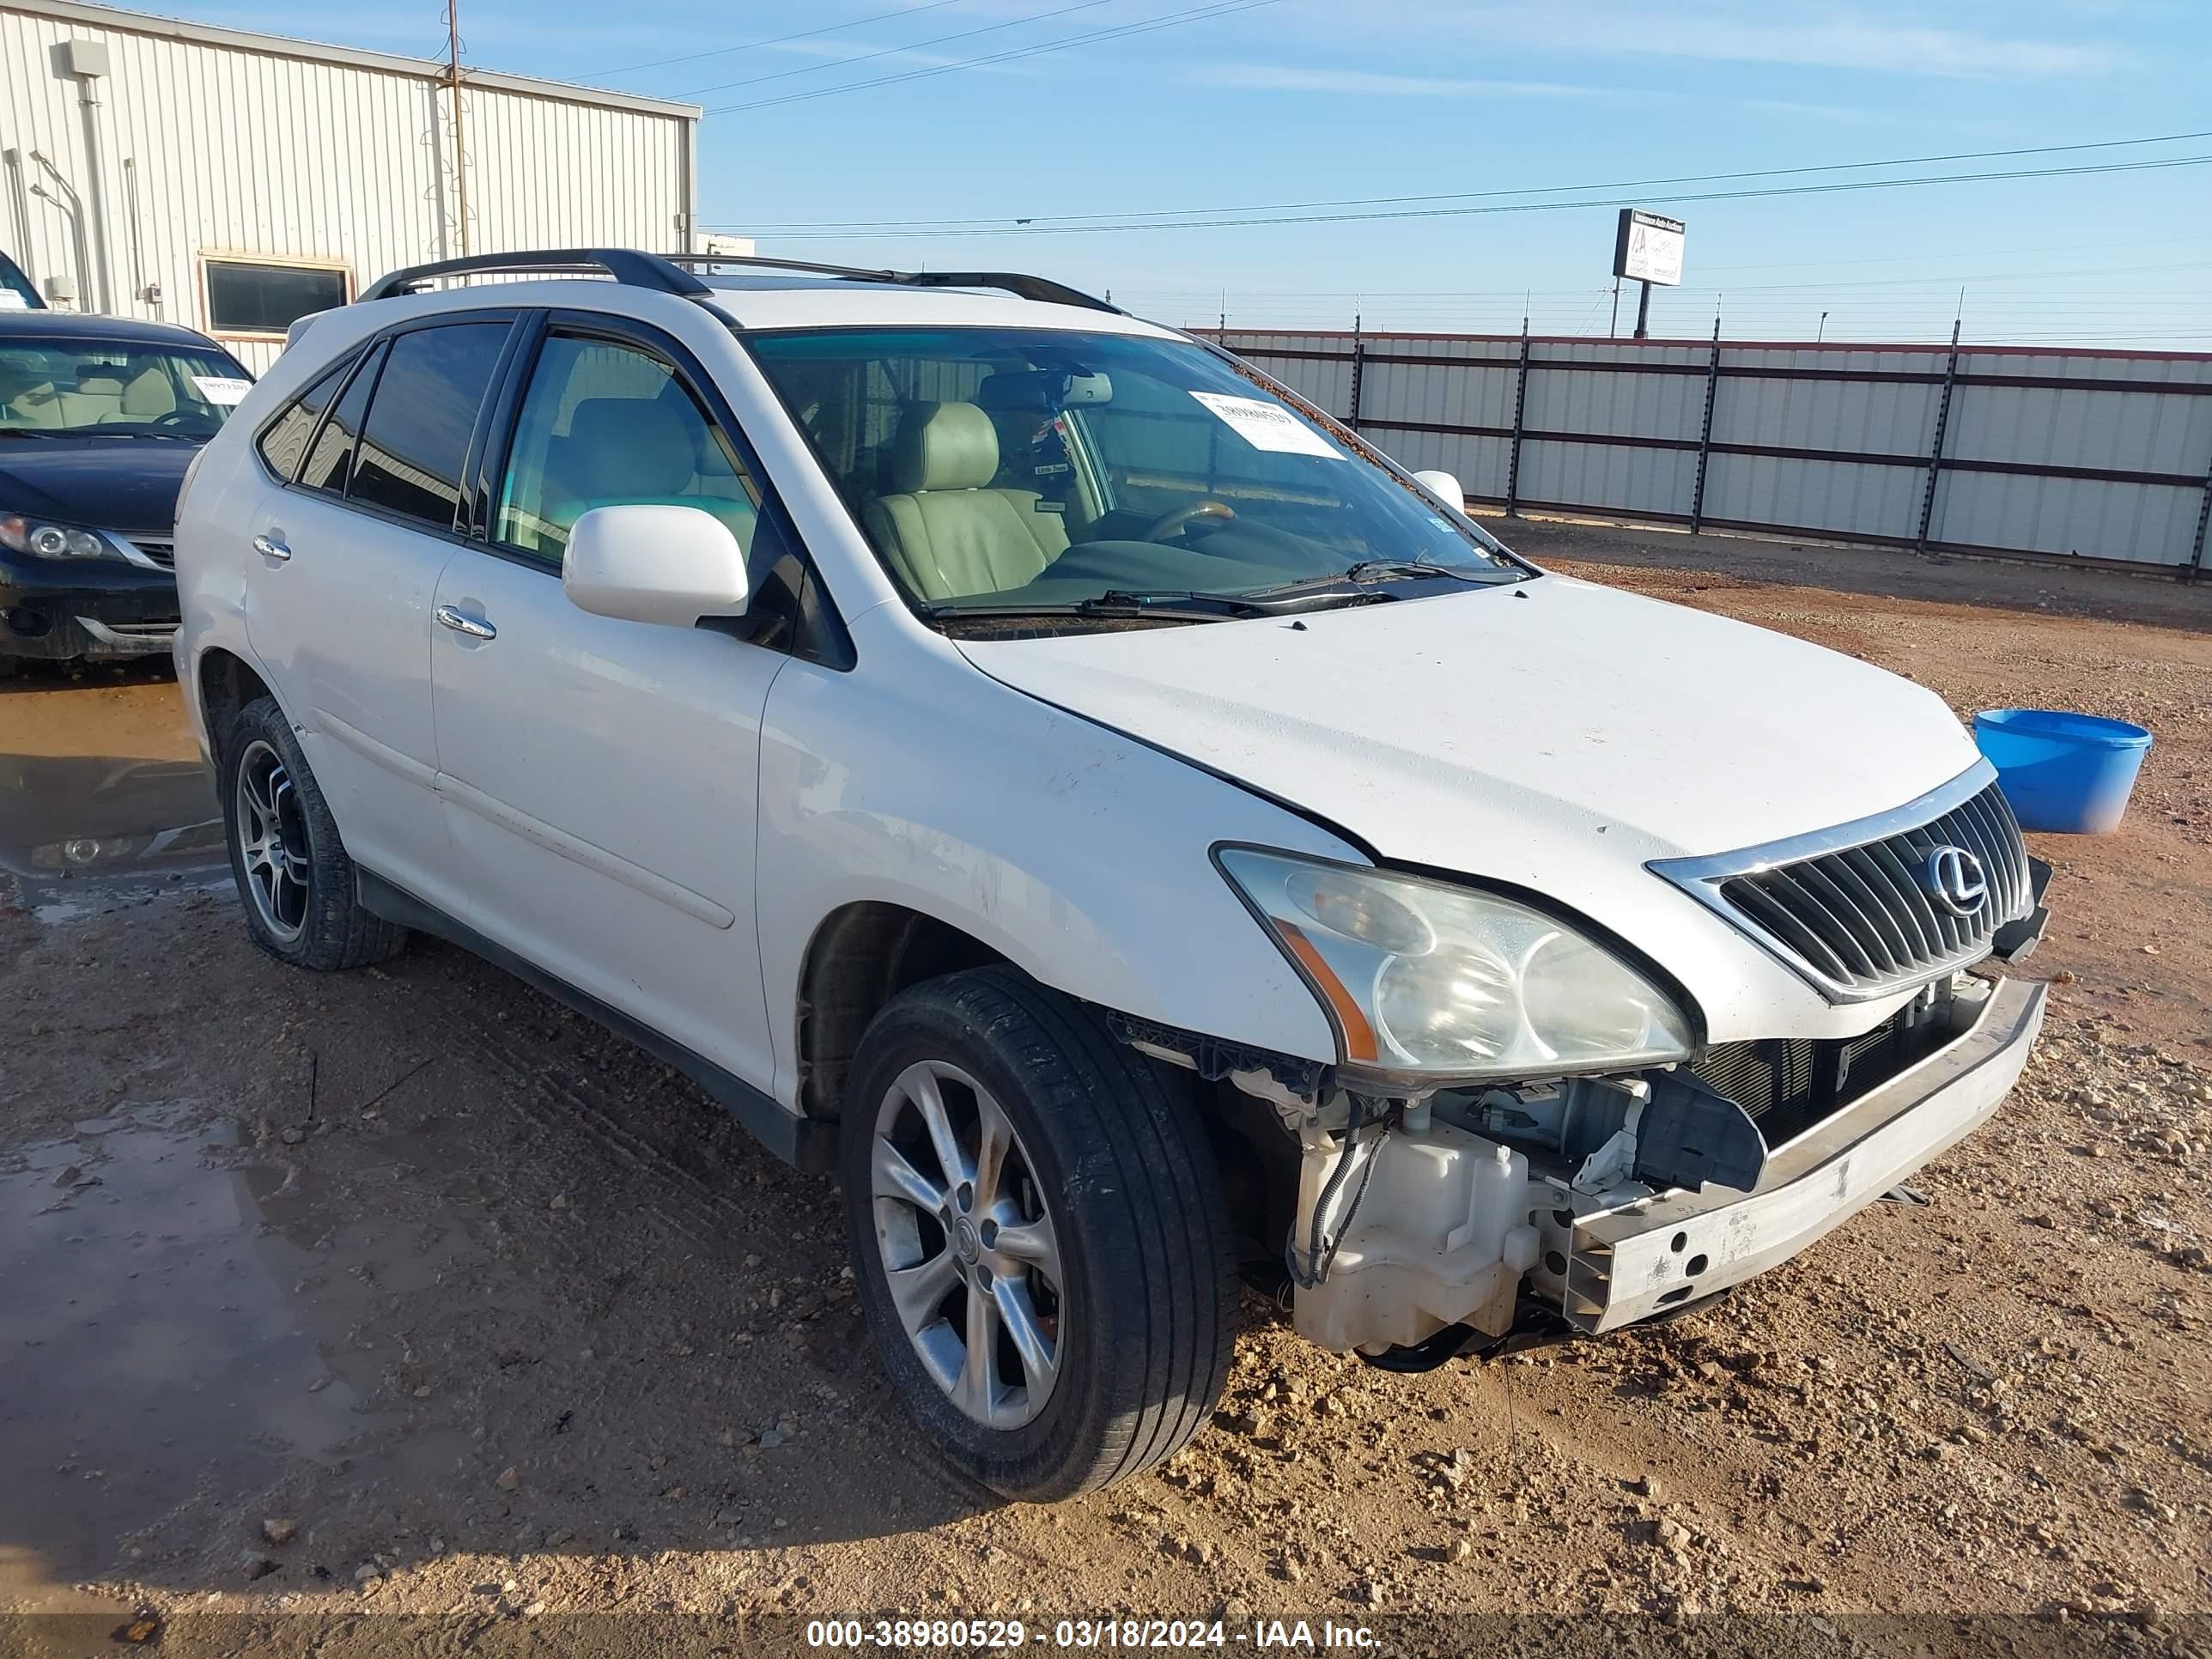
(998, 467)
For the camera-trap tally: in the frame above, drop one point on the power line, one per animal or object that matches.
(775, 40)
(889, 51)
(1917, 257)
(1488, 194)
(1945, 283)
(1173, 19)
(1518, 207)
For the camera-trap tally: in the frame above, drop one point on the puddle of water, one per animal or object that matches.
(66, 820)
(150, 1349)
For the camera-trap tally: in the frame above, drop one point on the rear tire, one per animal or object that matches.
(293, 874)
(1101, 1229)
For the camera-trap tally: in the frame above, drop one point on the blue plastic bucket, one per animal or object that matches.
(2065, 774)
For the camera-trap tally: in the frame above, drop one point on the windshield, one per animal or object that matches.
(999, 468)
(16, 292)
(92, 387)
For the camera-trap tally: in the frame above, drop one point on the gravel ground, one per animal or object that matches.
(403, 1311)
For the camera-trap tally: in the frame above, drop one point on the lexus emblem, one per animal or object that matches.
(1953, 878)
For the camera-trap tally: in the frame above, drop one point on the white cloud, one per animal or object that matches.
(840, 51)
(1845, 34)
(1276, 78)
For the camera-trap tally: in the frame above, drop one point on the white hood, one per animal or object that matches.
(1557, 734)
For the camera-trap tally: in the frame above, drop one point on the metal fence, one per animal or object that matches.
(2082, 454)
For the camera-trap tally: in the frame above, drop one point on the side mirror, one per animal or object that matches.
(1444, 484)
(670, 565)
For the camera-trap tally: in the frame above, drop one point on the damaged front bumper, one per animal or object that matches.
(1417, 1219)
(1612, 1266)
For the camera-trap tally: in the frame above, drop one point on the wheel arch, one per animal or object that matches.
(225, 683)
(859, 957)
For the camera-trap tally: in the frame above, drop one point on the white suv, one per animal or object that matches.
(1017, 756)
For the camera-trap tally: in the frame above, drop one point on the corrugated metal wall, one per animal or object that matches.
(2104, 455)
(207, 147)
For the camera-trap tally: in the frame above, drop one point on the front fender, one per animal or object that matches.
(1079, 855)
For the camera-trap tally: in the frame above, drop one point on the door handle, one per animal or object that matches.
(461, 623)
(271, 546)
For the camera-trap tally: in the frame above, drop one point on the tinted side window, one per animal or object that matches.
(284, 440)
(330, 457)
(417, 438)
(604, 425)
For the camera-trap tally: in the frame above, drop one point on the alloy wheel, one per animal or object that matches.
(968, 1245)
(272, 842)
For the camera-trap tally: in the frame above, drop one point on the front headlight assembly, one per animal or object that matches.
(1423, 977)
(43, 539)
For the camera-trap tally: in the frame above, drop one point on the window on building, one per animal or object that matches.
(284, 440)
(247, 298)
(415, 441)
(606, 425)
(330, 458)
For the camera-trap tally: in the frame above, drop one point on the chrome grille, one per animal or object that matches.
(160, 549)
(1853, 910)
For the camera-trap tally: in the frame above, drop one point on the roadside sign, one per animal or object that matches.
(1648, 248)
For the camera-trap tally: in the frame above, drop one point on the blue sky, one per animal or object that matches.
(1296, 101)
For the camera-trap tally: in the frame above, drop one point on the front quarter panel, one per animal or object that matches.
(1080, 855)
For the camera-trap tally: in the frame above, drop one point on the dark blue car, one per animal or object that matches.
(99, 418)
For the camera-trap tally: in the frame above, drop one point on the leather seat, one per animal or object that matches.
(944, 531)
(149, 396)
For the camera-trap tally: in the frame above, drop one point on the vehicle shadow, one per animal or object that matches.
(35, 674)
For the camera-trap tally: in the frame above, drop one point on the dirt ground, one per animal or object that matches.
(404, 1311)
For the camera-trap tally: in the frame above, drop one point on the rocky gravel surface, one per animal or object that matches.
(404, 1311)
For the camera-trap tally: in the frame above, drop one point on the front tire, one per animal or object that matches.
(293, 874)
(1039, 1234)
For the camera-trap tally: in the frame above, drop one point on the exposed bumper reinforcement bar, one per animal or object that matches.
(1629, 1263)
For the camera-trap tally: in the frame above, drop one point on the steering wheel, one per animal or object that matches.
(1173, 524)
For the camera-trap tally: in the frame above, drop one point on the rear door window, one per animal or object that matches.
(414, 443)
(330, 457)
(283, 441)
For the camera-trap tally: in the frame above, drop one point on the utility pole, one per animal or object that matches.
(460, 148)
(1821, 333)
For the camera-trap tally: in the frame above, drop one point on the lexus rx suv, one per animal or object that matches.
(1020, 758)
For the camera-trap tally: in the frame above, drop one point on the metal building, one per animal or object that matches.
(233, 181)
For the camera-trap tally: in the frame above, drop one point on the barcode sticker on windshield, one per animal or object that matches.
(1268, 425)
(221, 390)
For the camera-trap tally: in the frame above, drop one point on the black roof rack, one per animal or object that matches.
(1043, 290)
(625, 265)
(669, 273)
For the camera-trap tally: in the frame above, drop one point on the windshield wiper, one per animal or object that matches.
(1116, 603)
(1356, 581)
(133, 432)
(1370, 570)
